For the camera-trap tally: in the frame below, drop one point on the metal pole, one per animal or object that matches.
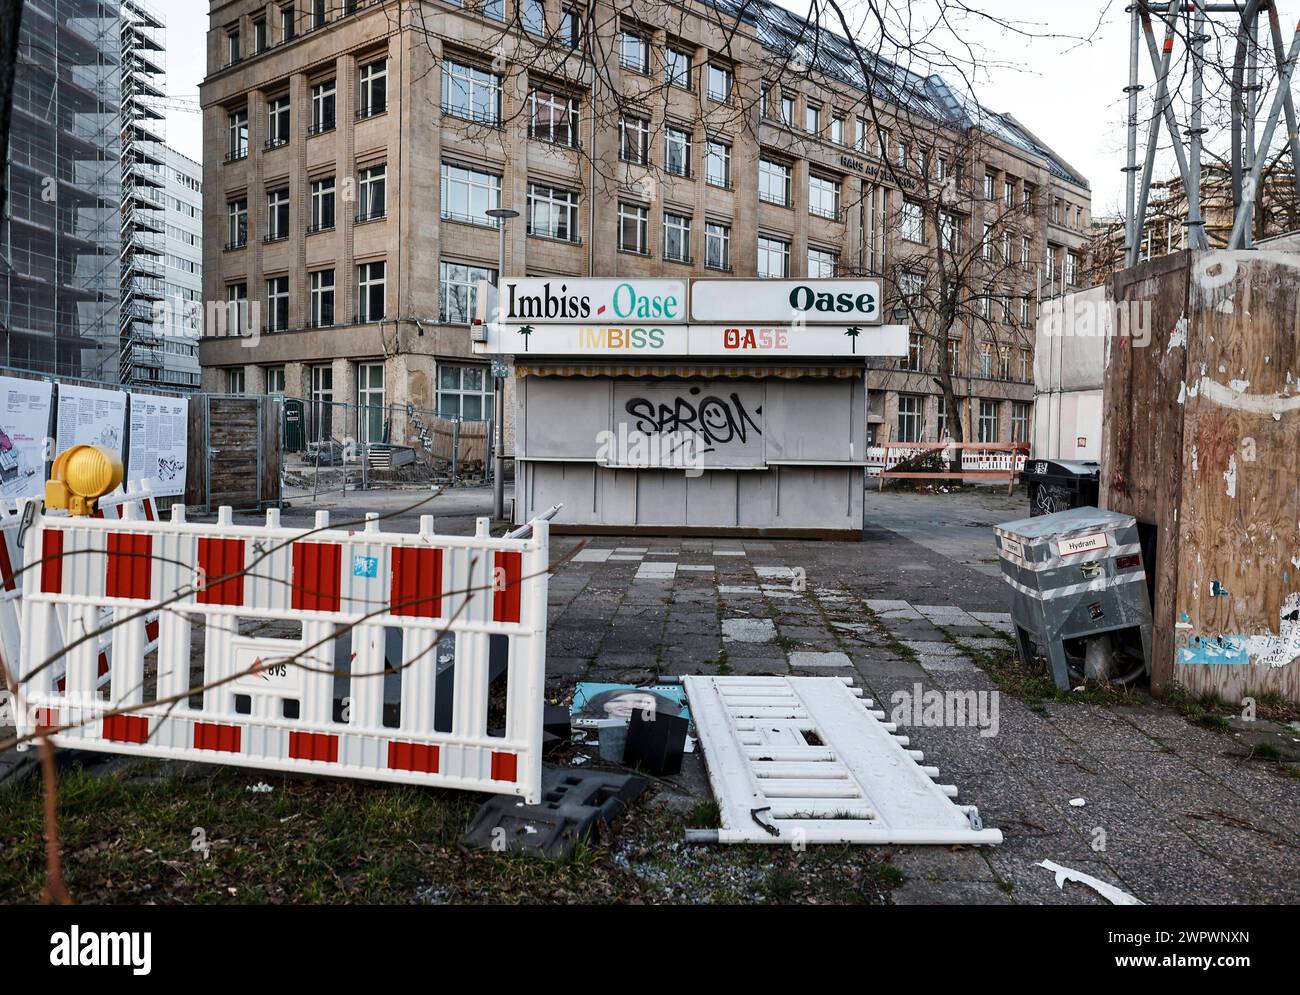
(1252, 111)
(1130, 183)
(1153, 134)
(499, 407)
(1293, 129)
(1197, 235)
(1240, 238)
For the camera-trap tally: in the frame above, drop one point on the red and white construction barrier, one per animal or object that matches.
(270, 702)
(113, 506)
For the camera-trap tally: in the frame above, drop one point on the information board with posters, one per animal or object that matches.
(90, 416)
(24, 429)
(159, 436)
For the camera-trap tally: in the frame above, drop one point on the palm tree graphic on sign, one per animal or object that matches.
(526, 331)
(853, 333)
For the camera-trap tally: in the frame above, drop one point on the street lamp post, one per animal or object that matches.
(502, 215)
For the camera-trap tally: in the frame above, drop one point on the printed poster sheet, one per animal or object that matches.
(89, 416)
(159, 435)
(24, 427)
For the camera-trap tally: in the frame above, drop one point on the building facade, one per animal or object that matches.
(352, 149)
(180, 314)
(60, 239)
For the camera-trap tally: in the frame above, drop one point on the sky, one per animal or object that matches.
(1059, 68)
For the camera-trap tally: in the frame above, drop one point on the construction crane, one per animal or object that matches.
(185, 105)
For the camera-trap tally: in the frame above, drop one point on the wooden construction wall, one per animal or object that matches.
(1202, 439)
(234, 452)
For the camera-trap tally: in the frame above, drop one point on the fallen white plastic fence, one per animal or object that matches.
(796, 760)
(274, 705)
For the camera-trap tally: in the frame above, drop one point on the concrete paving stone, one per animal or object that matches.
(932, 647)
(775, 572)
(921, 892)
(972, 679)
(945, 664)
(919, 630)
(566, 665)
(1034, 885)
(937, 863)
(806, 633)
(757, 665)
(947, 615)
(887, 608)
(696, 567)
(668, 551)
(739, 590)
(748, 630)
(591, 555)
(655, 570)
(1003, 618)
(1182, 882)
(728, 552)
(803, 660)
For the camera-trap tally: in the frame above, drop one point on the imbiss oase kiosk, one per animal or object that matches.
(704, 407)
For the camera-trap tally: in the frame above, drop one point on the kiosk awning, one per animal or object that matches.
(692, 371)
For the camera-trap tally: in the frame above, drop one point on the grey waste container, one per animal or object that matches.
(1078, 594)
(1058, 485)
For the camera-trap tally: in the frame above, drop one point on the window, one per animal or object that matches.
(677, 151)
(985, 360)
(237, 147)
(634, 52)
(882, 143)
(633, 228)
(942, 167)
(372, 88)
(237, 213)
(571, 24)
(989, 181)
(787, 109)
(322, 402)
(762, 101)
(912, 228)
(277, 215)
(319, 14)
(1030, 195)
(464, 392)
(237, 311)
(837, 129)
(986, 243)
(288, 27)
(988, 421)
(1008, 193)
(717, 163)
(634, 140)
(553, 118)
(232, 46)
(259, 35)
(495, 9)
(860, 140)
(950, 232)
(1024, 253)
(910, 416)
(774, 182)
(941, 428)
(321, 298)
(1026, 366)
(533, 14)
(822, 263)
(458, 290)
(812, 118)
(322, 106)
(677, 68)
(277, 304)
(468, 194)
(371, 286)
(986, 304)
(372, 193)
(914, 360)
(1024, 312)
(235, 380)
(677, 237)
(1006, 247)
(322, 205)
(370, 402)
(1019, 421)
(773, 257)
(552, 212)
(1071, 268)
(1050, 260)
(277, 122)
(904, 152)
(717, 246)
(954, 357)
(275, 379)
(470, 93)
(719, 83)
(823, 196)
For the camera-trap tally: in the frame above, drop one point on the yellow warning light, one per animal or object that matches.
(80, 477)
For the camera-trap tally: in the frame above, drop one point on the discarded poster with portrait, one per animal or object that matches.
(159, 436)
(24, 428)
(594, 702)
(90, 416)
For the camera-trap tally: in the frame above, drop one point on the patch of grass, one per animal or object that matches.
(1201, 710)
(705, 815)
(1034, 687)
(135, 831)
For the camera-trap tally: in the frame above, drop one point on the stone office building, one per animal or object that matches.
(352, 148)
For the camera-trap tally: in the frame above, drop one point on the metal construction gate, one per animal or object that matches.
(808, 760)
(410, 605)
